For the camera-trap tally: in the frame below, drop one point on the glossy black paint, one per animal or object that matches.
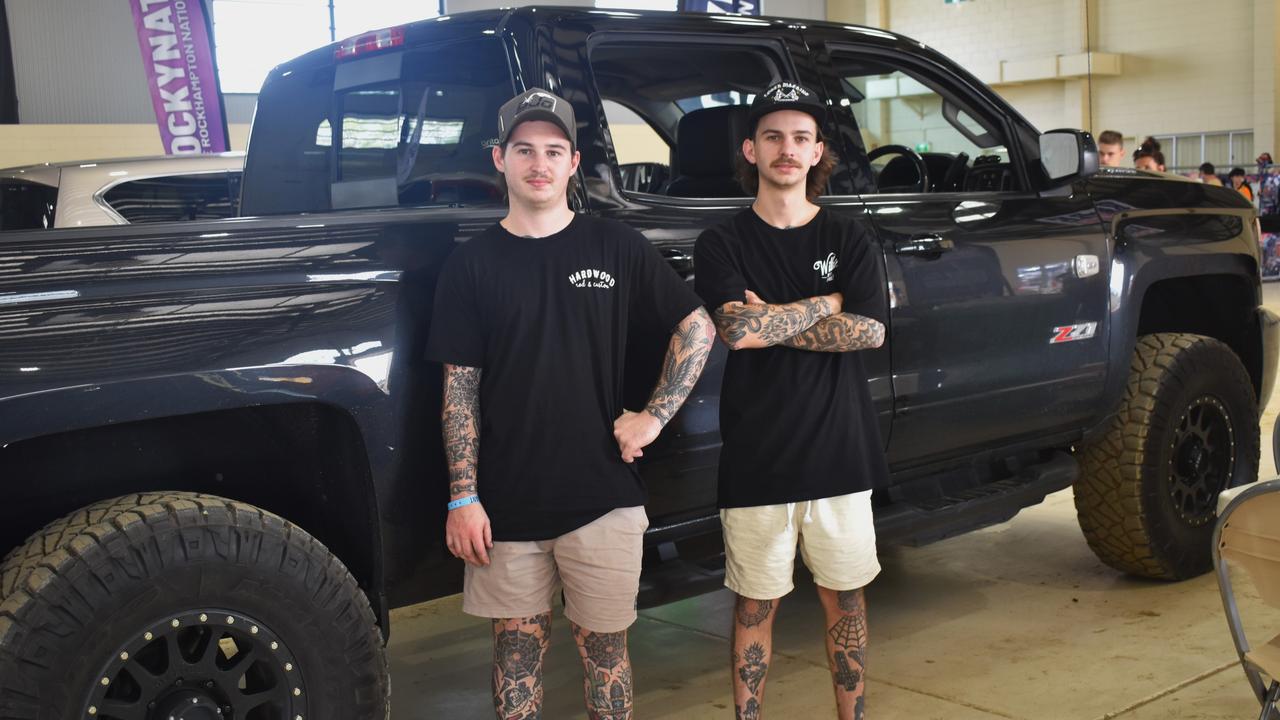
(106, 332)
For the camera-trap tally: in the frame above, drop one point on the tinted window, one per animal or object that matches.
(404, 128)
(650, 88)
(896, 109)
(205, 196)
(26, 206)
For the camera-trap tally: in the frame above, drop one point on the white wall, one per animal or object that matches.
(1188, 66)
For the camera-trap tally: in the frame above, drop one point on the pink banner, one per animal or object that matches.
(178, 57)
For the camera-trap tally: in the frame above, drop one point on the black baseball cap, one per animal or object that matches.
(787, 96)
(536, 104)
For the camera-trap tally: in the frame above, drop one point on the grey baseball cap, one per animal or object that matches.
(536, 104)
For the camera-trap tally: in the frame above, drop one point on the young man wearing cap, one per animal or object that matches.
(794, 290)
(531, 322)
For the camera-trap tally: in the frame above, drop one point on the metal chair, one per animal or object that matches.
(1247, 536)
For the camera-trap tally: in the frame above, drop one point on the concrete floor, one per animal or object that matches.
(1016, 621)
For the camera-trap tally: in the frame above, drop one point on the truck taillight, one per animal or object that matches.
(369, 42)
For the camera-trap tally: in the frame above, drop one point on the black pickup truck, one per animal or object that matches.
(220, 462)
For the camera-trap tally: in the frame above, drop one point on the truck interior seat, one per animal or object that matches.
(707, 143)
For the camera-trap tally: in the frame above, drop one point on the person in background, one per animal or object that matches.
(1148, 156)
(1209, 175)
(1240, 184)
(1110, 149)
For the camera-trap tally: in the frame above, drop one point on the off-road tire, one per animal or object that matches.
(125, 574)
(1131, 509)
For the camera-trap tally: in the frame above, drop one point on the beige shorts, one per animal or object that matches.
(597, 565)
(837, 538)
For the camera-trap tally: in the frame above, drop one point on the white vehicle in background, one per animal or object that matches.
(165, 188)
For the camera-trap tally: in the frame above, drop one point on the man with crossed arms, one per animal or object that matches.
(794, 290)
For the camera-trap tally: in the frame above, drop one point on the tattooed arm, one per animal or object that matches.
(467, 533)
(744, 326)
(686, 355)
(839, 333)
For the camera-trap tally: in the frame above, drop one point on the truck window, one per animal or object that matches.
(406, 128)
(202, 196)
(26, 206)
(675, 109)
(893, 105)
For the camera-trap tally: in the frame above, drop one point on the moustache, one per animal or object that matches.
(785, 163)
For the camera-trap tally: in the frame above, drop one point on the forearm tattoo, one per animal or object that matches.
(519, 645)
(769, 324)
(606, 666)
(460, 422)
(848, 647)
(840, 333)
(686, 355)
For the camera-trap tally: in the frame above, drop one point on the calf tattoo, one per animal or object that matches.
(607, 681)
(460, 424)
(839, 333)
(751, 613)
(750, 711)
(753, 667)
(848, 637)
(518, 649)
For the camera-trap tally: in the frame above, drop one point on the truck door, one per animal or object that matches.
(664, 109)
(998, 294)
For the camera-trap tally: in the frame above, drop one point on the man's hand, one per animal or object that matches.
(467, 534)
(633, 431)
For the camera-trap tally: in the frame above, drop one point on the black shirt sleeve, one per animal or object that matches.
(864, 289)
(658, 292)
(456, 336)
(717, 277)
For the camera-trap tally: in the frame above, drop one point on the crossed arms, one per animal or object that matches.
(815, 324)
(467, 531)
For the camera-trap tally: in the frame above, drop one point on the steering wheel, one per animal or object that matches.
(922, 170)
(955, 173)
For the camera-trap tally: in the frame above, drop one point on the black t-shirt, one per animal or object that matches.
(546, 320)
(796, 424)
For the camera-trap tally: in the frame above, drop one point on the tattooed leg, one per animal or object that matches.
(519, 645)
(606, 673)
(752, 650)
(846, 613)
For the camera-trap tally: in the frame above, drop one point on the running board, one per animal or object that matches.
(923, 522)
(679, 579)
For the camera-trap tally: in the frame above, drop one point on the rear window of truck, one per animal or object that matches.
(202, 196)
(404, 128)
(26, 206)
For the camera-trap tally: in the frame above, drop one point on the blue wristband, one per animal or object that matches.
(455, 504)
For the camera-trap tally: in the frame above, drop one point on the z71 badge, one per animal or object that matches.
(1071, 333)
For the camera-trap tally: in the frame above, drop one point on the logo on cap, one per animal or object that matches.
(787, 92)
(537, 100)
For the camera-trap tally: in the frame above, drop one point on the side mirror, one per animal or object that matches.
(1068, 155)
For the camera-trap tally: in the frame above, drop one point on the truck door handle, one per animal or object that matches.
(928, 244)
(680, 261)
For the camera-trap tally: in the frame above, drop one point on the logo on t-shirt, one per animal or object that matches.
(591, 278)
(827, 267)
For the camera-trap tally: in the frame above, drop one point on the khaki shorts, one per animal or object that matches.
(837, 538)
(598, 565)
